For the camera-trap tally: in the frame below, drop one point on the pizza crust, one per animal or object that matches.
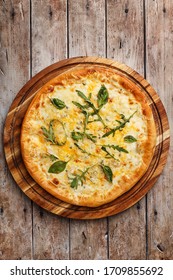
(54, 185)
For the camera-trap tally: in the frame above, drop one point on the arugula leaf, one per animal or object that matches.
(50, 135)
(80, 106)
(57, 167)
(52, 157)
(107, 171)
(116, 147)
(130, 139)
(119, 127)
(102, 97)
(59, 104)
(79, 178)
(76, 135)
(91, 137)
(83, 151)
(108, 154)
(91, 105)
(121, 149)
(75, 182)
(82, 95)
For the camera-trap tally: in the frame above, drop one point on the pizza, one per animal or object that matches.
(88, 135)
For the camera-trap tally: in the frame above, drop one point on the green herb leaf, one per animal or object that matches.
(74, 183)
(58, 139)
(120, 126)
(76, 135)
(130, 139)
(91, 105)
(45, 132)
(91, 137)
(83, 151)
(79, 178)
(107, 171)
(80, 106)
(59, 104)
(116, 147)
(121, 149)
(48, 133)
(102, 97)
(52, 157)
(58, 167)
(108, 154)
(82, 95)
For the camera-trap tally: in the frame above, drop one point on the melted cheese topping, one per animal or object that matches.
(71, 117)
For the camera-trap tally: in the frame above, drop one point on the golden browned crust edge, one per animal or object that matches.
(148, 146)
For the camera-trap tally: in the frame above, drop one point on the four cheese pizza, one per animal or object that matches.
(88, 136)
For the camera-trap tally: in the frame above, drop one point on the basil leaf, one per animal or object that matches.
(77, 135)
(102, 97)
(57, 167)
(130, 139)
(59, 104)
(108, 172)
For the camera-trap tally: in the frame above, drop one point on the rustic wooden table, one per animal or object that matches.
(35, 34)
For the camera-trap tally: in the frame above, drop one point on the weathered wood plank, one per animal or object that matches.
(87, 28)
(125, 43)
(15, 207)
(51, 233)
(159, 74)
(88, 239)
(49, 28)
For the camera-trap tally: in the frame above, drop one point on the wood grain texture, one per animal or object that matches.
(125, 37)
(49, 33)
(86, 28)
(159, 73)
(15, 217)
(87, 37)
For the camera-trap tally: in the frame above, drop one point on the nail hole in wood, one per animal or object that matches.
(120, 46)
(160, 247)
(41, 214)
(164, 9)
(6, 54)
(138, 206)
(1, 210)
(84, 235)
(50, 12)
(12, 13)
(126, 10)
(24, 210)
(87, 5)
(155, 212)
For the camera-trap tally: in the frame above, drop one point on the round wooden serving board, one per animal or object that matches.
(38, 194)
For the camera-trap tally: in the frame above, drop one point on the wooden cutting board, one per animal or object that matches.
(46, 200)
